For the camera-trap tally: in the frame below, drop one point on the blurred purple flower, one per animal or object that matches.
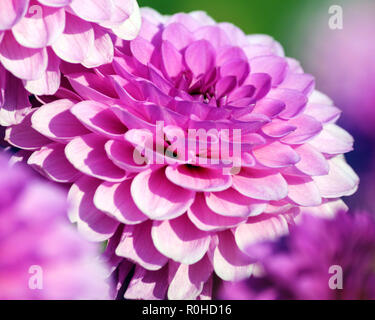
(344, 64)
(298, 266)
(42, 257)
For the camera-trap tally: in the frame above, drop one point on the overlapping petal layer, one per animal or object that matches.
(181, 211)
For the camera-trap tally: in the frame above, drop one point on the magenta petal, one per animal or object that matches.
(303, 191)
(295, 102)
(49, 82)
(101, 52)
(231, 203)
(158, 198)
(312, 162)
(200, 57)
(55, 121)
(14, 99)
(116, 201)
(92, 10)
(188, 280)
(97, 117)
(87, 154)
(260, 229)
(340, 181)
(230, 264)
(148, 285)
(198, 178)
(207, 220)
(11, 12)
(24, 63)
(51, 162)
(40, 29)
(261, 185)
(307, 128)
(74, 43)
(55, 3)
(136, 245)
(91, 222)
(276, 155)
(177, 34)
(122, 153)
(180, 240)
(24, 136)
(333, 140)
(274, 66)
(172, 59)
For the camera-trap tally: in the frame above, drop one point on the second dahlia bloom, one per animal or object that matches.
(42, 256)
(304, 265)
(177, 215)
(37, 37)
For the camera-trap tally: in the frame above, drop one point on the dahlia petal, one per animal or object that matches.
(312, 162)
(51, 162)
(260, 185)
(262, 84)
(269, 107)
(14, 99)
(158, 198)
(136, 245)
(55, 3)
(322, 112)
(295, 102)
(333, 140)
(98, 118)
(200, 57)
(91, 222)
(122, 153)
(24, 136)
(148, 285)
(207, 220)
(129, 29)
(180, 240)
(177, 34)
(92, 10)
(87, 154)
(74, 43)
(274, 66)
(260, 229)
(198, 178)
(101, 52)
(24, 63)
(12, 12)
(307, 128)
(49, 82)
(231, 203)
(301, 82)
(172, 59)
(278, 129)
(188, 280)
(55, 121)
(303, 191)
(142, 50)
(276, 155)
(115, 200)
(40, 28)
(92, 87)
(186, 20)
(215, 35)
(230, 264)
(224, 86)
(340, 181)
(236, 67)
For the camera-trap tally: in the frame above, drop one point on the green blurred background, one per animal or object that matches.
(281, 19)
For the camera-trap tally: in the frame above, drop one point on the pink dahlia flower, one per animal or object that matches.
(42, 256)
(38, 36)
(325, 259)
(119, 134)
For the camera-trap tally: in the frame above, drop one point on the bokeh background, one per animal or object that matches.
(342, 60)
